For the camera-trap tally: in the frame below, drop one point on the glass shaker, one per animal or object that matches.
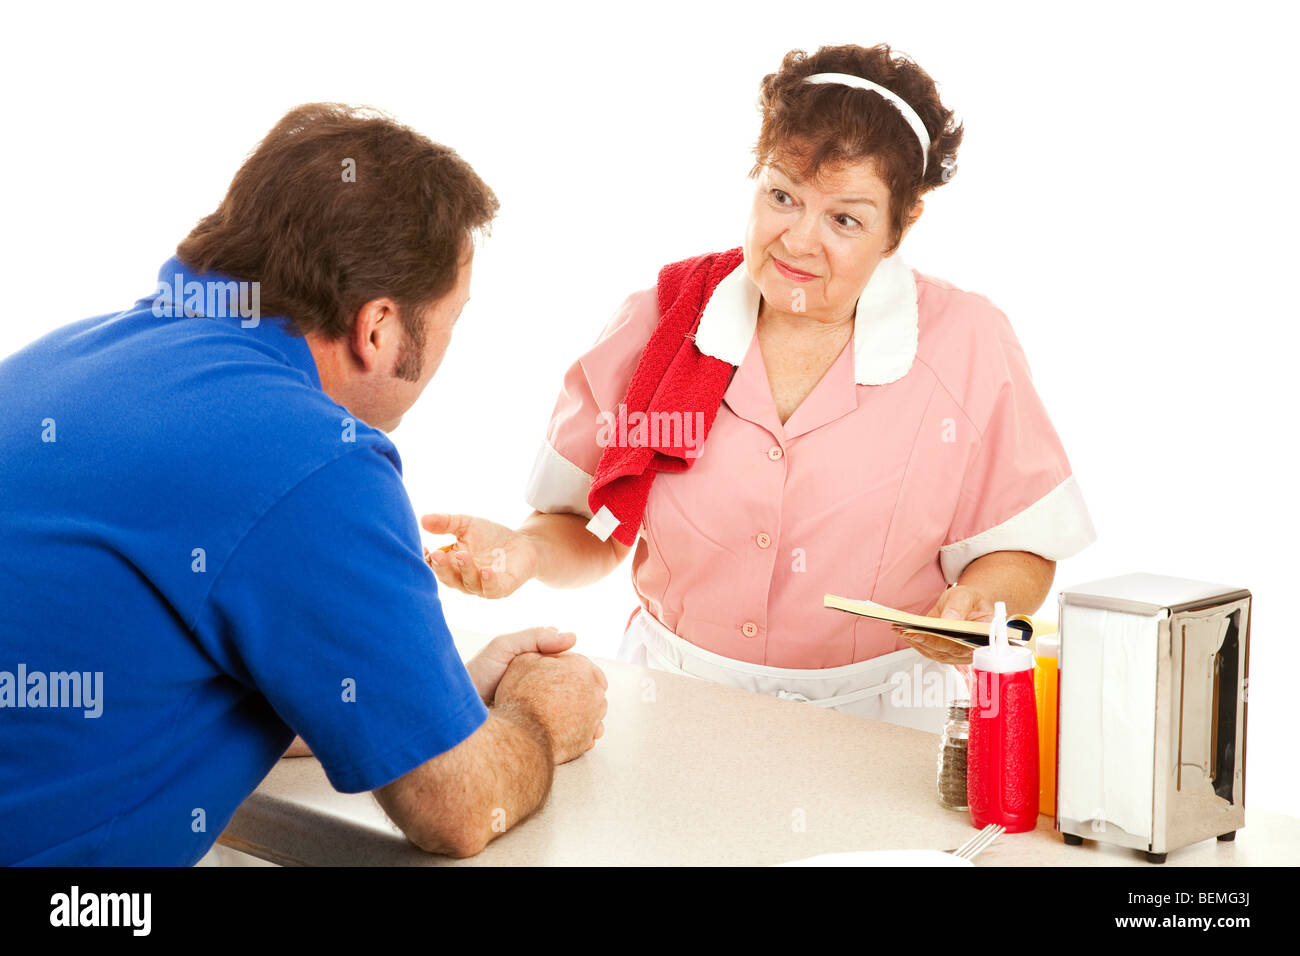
(953, 748)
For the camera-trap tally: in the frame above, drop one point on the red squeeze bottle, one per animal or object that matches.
(1002, 762)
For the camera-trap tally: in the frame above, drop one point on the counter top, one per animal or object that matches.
(693, 773)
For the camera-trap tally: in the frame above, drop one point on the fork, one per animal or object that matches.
(969, 849)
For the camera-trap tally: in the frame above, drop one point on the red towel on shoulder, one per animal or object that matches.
(671, 402)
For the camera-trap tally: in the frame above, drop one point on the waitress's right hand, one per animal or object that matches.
(488, 559)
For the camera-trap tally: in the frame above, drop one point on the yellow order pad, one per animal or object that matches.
(969, 633)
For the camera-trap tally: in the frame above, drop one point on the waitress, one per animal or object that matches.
(807, 415)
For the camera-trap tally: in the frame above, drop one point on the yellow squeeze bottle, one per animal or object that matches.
(1047, 653)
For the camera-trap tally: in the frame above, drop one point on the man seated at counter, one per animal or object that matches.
(206, 546)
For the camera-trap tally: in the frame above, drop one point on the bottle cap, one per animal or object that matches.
(1001, 656)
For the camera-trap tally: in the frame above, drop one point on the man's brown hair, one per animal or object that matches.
(340, 205)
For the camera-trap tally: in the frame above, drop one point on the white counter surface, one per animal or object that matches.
(692, 773)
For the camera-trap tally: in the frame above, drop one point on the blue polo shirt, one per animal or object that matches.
(201, 553)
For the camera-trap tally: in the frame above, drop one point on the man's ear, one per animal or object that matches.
(376, 334)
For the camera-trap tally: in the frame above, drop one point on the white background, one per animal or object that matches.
(1126, 193)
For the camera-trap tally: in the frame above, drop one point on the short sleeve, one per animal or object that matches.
(328, 610)
(1018, 492)
(588, 402)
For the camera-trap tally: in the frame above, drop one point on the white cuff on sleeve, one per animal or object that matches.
(1056, 526)
(556, 485)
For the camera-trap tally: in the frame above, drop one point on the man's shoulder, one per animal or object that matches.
(262, 423)
(175, 436)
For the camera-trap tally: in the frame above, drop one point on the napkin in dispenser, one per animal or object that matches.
(1152, 722)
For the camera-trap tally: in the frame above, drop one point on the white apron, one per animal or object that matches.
(902, 687)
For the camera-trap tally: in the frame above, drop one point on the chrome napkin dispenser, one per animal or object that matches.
(1151, 747)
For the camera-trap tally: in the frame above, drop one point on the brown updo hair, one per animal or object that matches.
(813, 125)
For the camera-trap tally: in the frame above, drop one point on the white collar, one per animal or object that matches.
(884, 325)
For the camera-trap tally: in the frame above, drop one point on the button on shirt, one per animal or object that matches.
(186, 514)
(922, 448)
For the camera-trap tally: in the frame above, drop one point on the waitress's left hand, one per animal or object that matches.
(963, 603)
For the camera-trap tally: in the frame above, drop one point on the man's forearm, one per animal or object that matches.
(568, 555)
(463, 799)
(1020, 579)
(515, 775)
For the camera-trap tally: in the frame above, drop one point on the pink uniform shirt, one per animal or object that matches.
(924, 447)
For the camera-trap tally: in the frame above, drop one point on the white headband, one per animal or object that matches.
(909, 114)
